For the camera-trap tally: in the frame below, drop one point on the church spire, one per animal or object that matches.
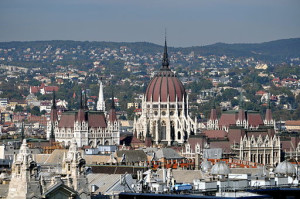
(165, 61)
(52, 135)
(101, 102)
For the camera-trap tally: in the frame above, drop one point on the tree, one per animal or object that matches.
(19, 108)
(35, 111)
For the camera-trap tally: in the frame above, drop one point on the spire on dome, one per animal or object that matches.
(165, 61)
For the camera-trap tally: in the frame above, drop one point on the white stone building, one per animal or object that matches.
(165, 109)
(264, 150)
(92, 128)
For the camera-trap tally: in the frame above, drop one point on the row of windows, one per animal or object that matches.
(163, 106)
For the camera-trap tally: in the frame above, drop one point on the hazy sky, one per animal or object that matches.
(188, 22)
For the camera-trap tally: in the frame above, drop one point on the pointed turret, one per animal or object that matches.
(241, 114)
(112, 111)
(269, 113)
(213, 113)
(53, 113)
(101, 102)
(81, 112)
(52, 135)
(268, 118)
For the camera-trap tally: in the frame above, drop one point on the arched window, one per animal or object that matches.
(163, 130)
(179, 135)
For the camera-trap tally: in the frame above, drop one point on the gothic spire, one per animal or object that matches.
(52, 135)
(165, 61)
(53, 101)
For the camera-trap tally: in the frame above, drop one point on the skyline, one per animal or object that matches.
(188, 23)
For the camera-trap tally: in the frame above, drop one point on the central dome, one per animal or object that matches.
(165, 84)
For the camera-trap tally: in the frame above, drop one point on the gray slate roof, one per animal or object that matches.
(167, 153)
(132, 155)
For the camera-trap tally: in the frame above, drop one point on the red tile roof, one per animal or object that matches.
(227, 119)
(215, 133)
(51, 88)
(292, 123)
(34, 89)
(67, 121)
(254, 119)
(97, 120)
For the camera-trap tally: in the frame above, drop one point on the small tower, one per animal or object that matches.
(73, 166)
(241, 120)
(24, 179)
(52, 123)
(268, 118)
(101, 102)
(112, 112)
(213, 120)
(113, 124)
(81, 125)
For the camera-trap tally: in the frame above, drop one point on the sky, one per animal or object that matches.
(188, 22)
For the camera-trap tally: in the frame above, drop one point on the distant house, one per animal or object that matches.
(292, 125)
(43, 89)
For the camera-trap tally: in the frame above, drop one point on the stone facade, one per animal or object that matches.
(27, 180)
(24, 177)
(264, 150)
(92, 128)
(165, 109)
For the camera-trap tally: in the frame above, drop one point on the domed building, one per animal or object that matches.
(285, 168)
(165, 109)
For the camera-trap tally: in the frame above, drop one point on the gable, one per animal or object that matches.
(60, 191)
